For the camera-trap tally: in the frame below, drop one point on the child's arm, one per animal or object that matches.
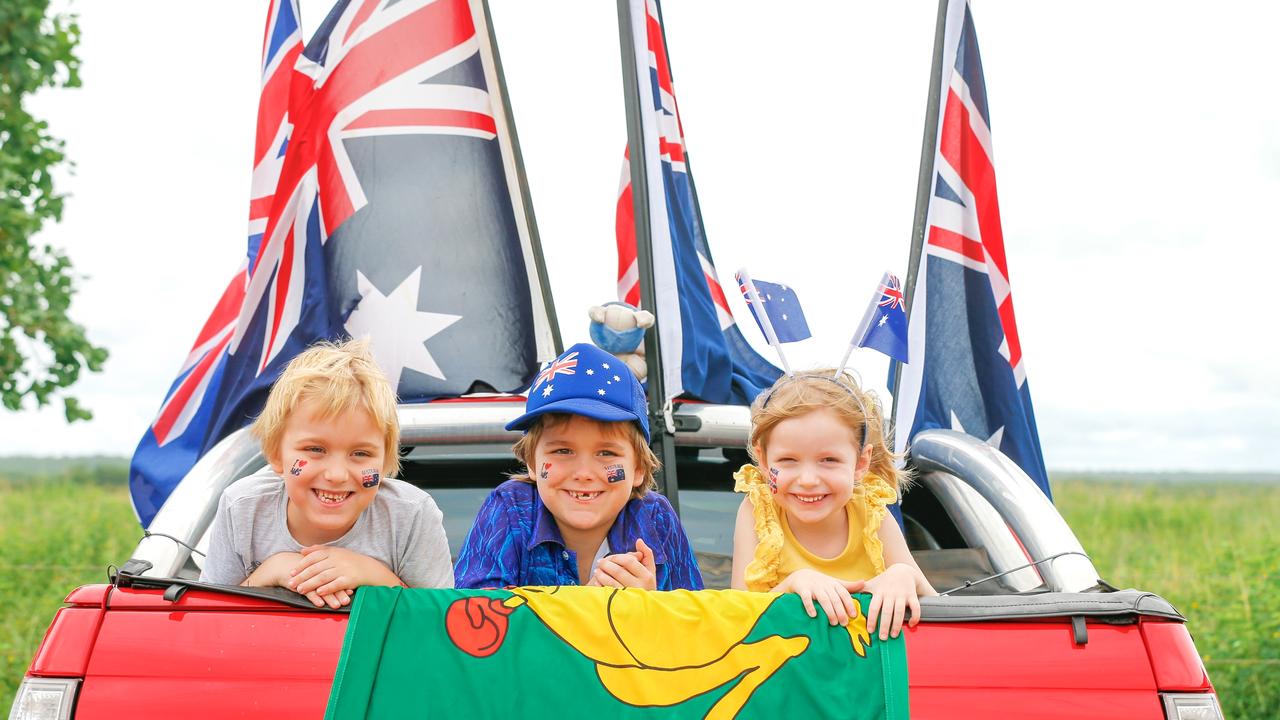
(831, 593)
(275, 572)
(895, 552)
(898, 588)
(326, 570)
(744, 545)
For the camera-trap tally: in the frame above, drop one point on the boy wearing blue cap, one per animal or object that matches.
(581, 512)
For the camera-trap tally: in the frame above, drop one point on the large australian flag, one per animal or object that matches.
(704, 354)
(396, 214)
(966, 367)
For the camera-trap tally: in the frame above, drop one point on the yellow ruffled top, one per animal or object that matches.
(773, 561)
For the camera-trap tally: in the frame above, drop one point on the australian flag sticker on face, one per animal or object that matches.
(615, 473)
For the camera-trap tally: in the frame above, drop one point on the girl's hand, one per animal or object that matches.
(634, 569)
(893, 592)
(831, 594)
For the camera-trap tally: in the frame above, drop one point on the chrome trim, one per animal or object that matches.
(982, 527)
(1028, 513)
(721, 426)
(483, 422)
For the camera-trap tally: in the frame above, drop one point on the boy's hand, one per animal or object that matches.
(634, 569)
(326, 570)
(893, 592)
(274, 571)
(831, 594)
(277, 570)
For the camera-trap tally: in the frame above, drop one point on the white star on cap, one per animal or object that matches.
(546, 391)
(604, 365)
(617, 379)
(590, 371)
(600, 391)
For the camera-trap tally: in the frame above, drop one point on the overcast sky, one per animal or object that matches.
(1137, 151)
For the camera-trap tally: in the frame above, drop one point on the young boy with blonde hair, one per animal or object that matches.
(581, 512)
(326, 517)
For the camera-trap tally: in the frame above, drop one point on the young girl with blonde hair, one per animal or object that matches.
(813, 521)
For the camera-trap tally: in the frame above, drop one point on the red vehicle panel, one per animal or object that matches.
(219, 655)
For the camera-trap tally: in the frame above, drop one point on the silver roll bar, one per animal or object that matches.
(1028, 513)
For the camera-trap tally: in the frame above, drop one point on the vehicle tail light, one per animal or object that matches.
(44, 699)
(1191, 706)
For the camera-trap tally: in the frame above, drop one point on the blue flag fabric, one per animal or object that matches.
(391, 217)
(966, 368)
(780, 304)
(704, 354)
(886, 321)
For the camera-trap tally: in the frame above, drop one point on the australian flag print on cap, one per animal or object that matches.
(587, 381)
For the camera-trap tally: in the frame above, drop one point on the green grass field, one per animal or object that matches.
(1211, 550)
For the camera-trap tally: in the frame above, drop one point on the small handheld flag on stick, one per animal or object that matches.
(777, 311)
(884, 324)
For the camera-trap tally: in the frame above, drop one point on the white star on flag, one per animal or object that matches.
(590, 371)
(398, 329)
(993, 441)
(600, 391)
(883, 319)
(604, 365)
(546, 391)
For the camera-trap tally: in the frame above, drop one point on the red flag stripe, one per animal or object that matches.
(962, 149)
(224, 313)
(957, 243)
(425, 118)
(281, 296)
(177, 402)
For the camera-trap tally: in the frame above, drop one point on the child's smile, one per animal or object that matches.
(586, 472)
(813, 465)
(331, 499)
(332, 463)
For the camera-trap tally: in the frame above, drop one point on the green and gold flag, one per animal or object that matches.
(591, 652)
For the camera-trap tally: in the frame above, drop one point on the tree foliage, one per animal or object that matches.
(41, 350)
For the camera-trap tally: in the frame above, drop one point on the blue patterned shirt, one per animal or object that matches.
(515, 541)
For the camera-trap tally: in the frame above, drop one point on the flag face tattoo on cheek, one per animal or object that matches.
(546, 470)
(298, 464)
(615, 473)
(773, 480)
(369, 478)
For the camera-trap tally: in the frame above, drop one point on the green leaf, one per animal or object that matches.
(41, 350)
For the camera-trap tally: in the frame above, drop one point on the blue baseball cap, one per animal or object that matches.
(587, 381)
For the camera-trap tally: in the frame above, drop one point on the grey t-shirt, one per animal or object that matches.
(402, 528)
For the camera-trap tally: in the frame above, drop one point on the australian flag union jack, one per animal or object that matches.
(966, 368)
(884, 325)
(383, 204)
(703, 351)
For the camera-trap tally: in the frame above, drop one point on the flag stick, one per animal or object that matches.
(924, 183)
(662, 442)
(757, 307)
(863, 326)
